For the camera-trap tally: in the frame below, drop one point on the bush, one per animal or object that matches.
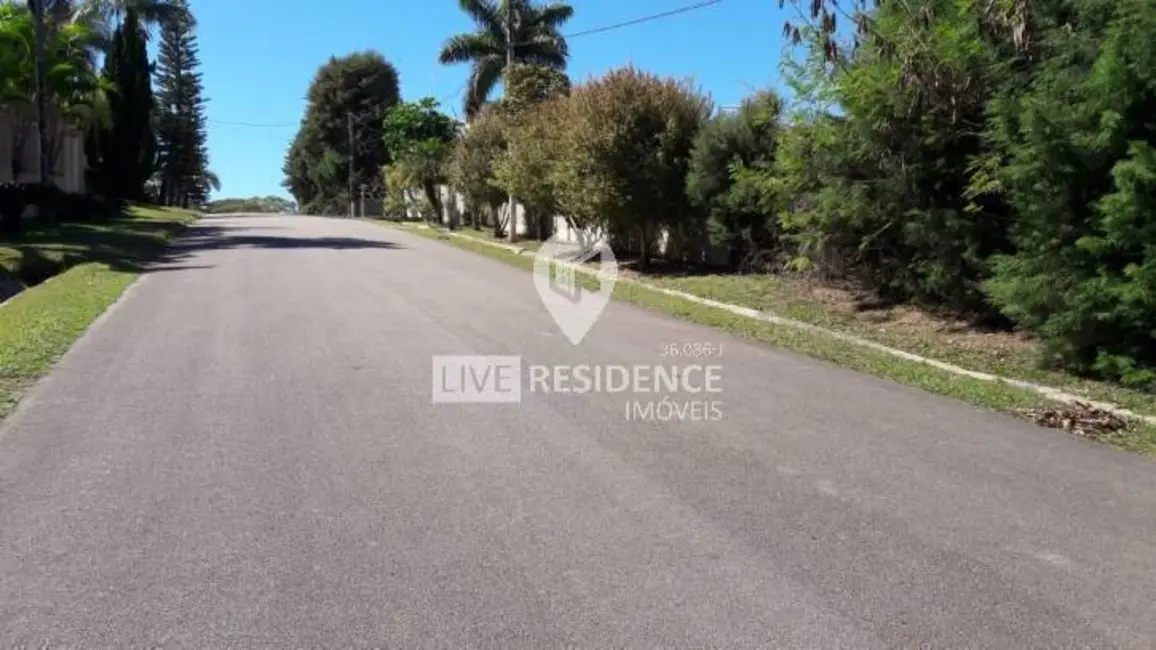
(1081, 173)
(529, 85)
(740, 215)
(470, 168)
(14, 200)
(624, 145)
(880, 165)
(528, 168)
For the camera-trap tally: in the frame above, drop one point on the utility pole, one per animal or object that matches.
(37, 7)
(362, 207)
(512, 224)
(349, 123)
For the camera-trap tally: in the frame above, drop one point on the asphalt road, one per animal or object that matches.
(244, 452)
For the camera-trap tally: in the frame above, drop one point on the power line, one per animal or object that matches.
(639, 20)
(606, 28)
(596, 30)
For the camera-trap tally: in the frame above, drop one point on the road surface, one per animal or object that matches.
(244, 452)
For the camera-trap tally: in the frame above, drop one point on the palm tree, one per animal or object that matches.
(103, 16)
(535, 35)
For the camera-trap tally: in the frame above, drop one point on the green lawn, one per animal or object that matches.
(1005, 355)
(89, 265)
(912, 330)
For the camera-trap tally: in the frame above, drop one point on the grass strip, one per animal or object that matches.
(995, 396)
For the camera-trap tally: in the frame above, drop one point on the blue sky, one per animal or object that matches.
(258, 57)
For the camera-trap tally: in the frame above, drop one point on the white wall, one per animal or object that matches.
(562, 230)
(68, 173)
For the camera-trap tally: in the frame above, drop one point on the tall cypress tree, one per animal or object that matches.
(181, 137)
(127, 147)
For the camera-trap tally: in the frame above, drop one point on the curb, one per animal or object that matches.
(1049, 392)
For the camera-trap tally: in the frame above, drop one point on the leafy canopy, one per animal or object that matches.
(535, 35)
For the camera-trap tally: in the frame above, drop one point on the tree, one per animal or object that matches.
(180, 121)
(357, 89)
(471, 163)
(535, 36)
(256, 204)
(624, 150)
(529, 165)
(528, 85)
(103, 17)
(74, 92)
(739, 216)
(126, 153)
(419, 137)
(1080, 170)
(891, 150)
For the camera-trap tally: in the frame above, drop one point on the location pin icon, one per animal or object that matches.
(559, 284)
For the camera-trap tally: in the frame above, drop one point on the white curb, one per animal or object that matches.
(1047, 391)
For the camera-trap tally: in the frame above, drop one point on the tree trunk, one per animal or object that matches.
(644, 247)
(496, 214)
(431, 195)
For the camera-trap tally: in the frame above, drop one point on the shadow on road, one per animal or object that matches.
(205, 237)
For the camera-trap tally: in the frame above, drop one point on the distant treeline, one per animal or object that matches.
(271, 204)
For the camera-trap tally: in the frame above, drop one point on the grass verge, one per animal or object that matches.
(93, 264)
(843, 309)
(992, 395)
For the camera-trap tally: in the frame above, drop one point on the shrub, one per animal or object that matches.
(623, 152)
(740, 214)
(1081, 173)
(419, 138)
(470, 168)
(888, 153)
(527, 169)
(529, 85)
(14, 200)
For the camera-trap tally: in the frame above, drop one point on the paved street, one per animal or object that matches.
(243, 453)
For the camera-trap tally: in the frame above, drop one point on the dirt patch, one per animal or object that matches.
(1079, 418)
(859, 306)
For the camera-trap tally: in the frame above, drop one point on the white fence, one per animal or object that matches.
(454, 213)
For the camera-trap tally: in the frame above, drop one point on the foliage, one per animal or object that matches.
(14, 200)
(624, 151)
(419, 138)
(528, 168)
(104, 17)
(74, 96)
(257, 204)
(1080, 171)
(124, 157)
(741, 213)
(980, 157)
(885, 183)
(471, 165)
(182, 154)
(532, 108)
(357, 88)
(73, 86)
(528, 85)
(399, 181)
(536, 37)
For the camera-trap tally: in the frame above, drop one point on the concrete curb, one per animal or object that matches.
(1049, 392)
